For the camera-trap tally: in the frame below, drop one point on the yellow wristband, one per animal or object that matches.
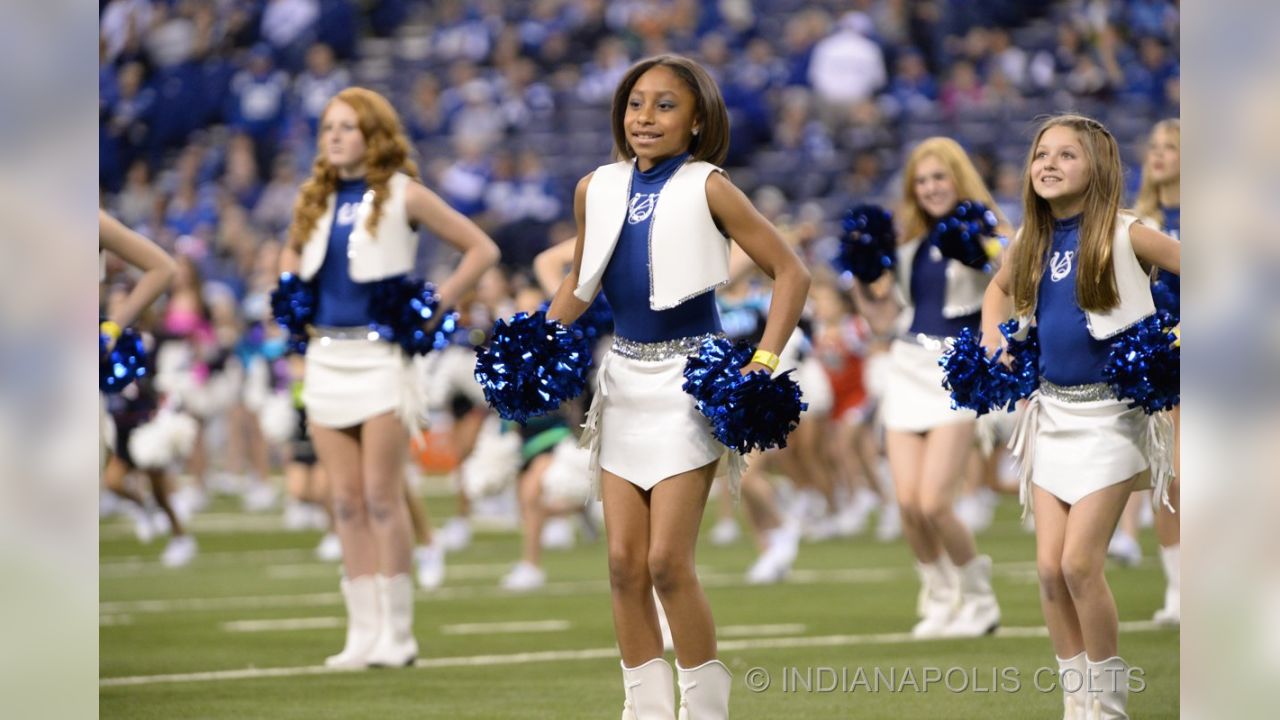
(767, 359)
(111, 328)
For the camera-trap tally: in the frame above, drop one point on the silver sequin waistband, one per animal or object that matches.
(355, 332)
(663, 350)
(1077, 393)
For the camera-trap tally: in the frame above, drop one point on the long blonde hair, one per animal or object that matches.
(386, 153)
(1148, 203)
(1095, 280)
(969, 186)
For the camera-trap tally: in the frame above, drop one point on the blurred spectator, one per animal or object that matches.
(963, 90)
(274, 210)
(289, 27)
(126, 124)
(463, 182)
(520, 206)
(460, 34)
(123, 24)
(601, 76)
(913, 90)
(312, 89)
(256, 104)
(1007, 59)
(1146, 79)
(425, 118)
(847, 67)
(136, 204)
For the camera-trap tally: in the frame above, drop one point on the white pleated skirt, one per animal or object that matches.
(914, 399)
(1072, 446)
(643, 427)
(348, 381)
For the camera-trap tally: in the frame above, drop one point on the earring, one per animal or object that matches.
(695, 131)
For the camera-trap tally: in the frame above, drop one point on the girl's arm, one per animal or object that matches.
(549, 265)
(766, 247)
(1155, 248)
(158, 268)
(479, 253)
(565, 306)
(289, 260)
(997, 306)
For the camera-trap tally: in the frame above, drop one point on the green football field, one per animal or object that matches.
(243, 630)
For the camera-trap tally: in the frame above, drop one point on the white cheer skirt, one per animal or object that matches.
(914, 399)
(1075, 440)
(643, 427)
(348, 381)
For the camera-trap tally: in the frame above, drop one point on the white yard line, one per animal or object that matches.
(728, 631)
(506, 628)
(467, 592)
(585, 654)
(311, 623)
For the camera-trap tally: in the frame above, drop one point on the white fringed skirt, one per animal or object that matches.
(352, 376)
(642, 426)
(914, 399)
(1075, 440)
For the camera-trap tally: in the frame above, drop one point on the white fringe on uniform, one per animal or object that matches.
(1076, 440)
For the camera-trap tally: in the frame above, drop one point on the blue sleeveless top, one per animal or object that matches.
(1172, 228)
(341, 301)
(928, 294)
(626, 277)
(1069, 355)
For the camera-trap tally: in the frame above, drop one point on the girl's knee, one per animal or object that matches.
(628, 571)
(348, 507)
(670, 570)
(1052, 583)
(933, 510)
(1081, 572)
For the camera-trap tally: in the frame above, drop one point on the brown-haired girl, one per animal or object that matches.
(653, 231)
(1076, 270)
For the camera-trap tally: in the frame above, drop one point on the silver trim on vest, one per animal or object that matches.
(662, 350)
(1091, 392)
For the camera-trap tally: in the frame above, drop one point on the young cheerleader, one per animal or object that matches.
(1158, 199)
(1076, 271)
(356, 221)
(652, 230)
(928, 443)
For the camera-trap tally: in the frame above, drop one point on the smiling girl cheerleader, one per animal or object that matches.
(1076, 270)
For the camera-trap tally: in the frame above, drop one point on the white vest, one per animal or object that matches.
(965, 285)
(392, 252)
(1133, 285)
(688, 255)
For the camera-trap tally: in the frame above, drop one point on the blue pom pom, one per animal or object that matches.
(401, 306)
(293, 305)
(1166, 299)
(960, 234)
(126, 362)
(976, 381)
(746, 412)
(1143, 365)
(531, 366)
(869, 245)
(1024, 368)
(595, 322)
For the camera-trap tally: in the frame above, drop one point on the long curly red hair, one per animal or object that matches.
(386, 153)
